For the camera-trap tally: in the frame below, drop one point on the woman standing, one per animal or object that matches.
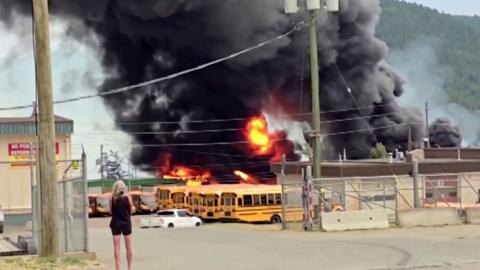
(121, 207)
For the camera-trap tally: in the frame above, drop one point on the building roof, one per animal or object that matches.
(27, 125)
(30, 119)
(437, 161)
(452, 153)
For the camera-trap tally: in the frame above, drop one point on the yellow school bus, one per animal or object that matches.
(143, 201)
(171, 197)
(195, 200)
(211, 202)
(92, 204)
(103, 204)
(256, 203)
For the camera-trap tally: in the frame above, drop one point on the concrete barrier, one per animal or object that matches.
(355, 220)
(473, 215)
(428, 217)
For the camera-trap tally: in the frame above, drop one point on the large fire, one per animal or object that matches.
(259, 138)
(191, 176)
(245, 177)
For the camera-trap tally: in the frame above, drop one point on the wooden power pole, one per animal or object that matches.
(46, 164)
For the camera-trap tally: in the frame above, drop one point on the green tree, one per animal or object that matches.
(378, 152)
(457, 44)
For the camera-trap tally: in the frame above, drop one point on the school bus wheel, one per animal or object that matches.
(275, 219)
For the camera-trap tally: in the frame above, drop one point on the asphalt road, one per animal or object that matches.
(263, 247)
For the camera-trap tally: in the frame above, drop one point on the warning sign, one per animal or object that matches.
(75, 165)
(24, 151)
(19, 151)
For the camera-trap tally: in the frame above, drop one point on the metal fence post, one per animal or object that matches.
(416, 198)
(459, 191)
(307, 200)
(32, 191)
(85, 200)
(396, 205)
(65, 215)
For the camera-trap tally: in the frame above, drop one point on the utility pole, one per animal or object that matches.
(316, 140)
(313, 7)
(427, 130)
(49, 218)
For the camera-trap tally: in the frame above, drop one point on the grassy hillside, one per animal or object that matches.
(457, 44)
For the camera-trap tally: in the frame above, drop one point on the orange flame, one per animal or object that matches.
(190, 176)
(245, 177)
(258, 136)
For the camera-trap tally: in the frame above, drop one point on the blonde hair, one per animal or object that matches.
(119, 188)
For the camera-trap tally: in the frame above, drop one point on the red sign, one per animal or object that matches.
(22, 151)
(19, 149)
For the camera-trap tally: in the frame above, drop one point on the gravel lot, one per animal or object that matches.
(252, 247)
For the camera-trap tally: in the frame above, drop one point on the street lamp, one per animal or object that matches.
(313, 6)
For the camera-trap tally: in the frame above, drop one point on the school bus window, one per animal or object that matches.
(256, 199)
(263, 199)
(271, 199)
(211, 202)
(247, 200)
(278, 198)
(240, 202)
(227, 201)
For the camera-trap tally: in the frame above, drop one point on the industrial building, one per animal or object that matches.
(17, 144)
(447, 177)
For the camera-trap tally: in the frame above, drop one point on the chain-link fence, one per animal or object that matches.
(388, 193)
(20, 200)
(72, 205)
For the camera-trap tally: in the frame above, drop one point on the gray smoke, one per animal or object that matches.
(444, 134)
(141, 40)
(418, 62)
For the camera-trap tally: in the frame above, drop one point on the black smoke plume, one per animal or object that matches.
(444, 134)
(141, 40)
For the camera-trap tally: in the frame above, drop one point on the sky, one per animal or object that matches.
(460, 7)
(71, 61)
(93, 123)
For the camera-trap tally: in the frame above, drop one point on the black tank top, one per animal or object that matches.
(121, 210)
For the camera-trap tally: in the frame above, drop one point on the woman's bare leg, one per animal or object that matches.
(116, 250)
(128, 247)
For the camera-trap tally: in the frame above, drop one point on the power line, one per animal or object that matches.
(248, 118)
(370, 129)
(296, 28)
(165, 132)
(220, 130)
(278, 140)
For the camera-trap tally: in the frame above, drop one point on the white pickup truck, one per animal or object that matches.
(173, 218)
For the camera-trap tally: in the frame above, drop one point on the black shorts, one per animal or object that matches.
(121, 228)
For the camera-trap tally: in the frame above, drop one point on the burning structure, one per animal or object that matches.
(214, 119)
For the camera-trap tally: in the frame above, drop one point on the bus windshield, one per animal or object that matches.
(148, 199)
(104, 202)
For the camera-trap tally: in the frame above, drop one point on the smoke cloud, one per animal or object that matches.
(444, 134)
(418, 62)
(141, 40)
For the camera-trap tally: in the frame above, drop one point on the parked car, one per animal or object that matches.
(173, 218)
(2, 220)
